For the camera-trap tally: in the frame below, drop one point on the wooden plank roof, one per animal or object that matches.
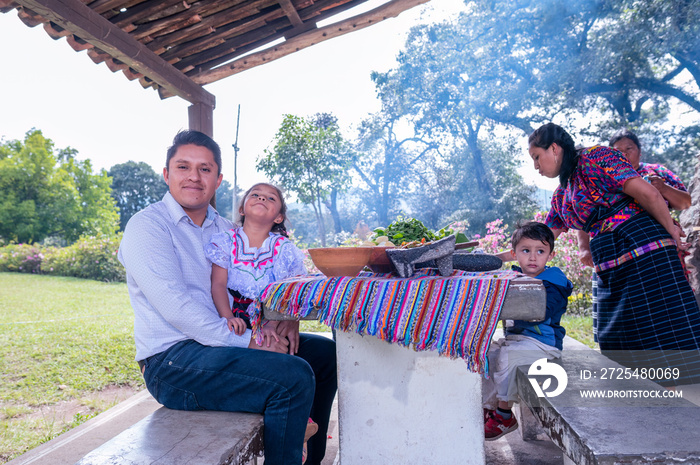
(177, 46)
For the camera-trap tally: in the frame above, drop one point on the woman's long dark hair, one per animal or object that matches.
(277, 228)
(550, 133)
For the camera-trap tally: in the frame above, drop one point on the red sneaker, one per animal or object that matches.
(487, 414)
(497, 426)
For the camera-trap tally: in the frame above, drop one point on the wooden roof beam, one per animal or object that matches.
(291, 13)
(98, 31)
(235, 47)
(7, 5)
(144, 10)
(386, 11)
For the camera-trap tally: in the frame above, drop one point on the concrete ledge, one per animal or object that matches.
(177, 437)
(633, 430)
(71, 446)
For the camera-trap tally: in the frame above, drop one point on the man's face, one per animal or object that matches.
(192, 177)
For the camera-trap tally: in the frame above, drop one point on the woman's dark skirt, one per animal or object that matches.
(647, 314)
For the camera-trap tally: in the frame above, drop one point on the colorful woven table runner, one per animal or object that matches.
(455, 315)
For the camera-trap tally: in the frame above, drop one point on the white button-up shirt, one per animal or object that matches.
(169, 279)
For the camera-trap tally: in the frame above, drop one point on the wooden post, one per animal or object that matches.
(201, 118)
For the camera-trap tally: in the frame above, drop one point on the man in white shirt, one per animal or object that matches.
(189, 357)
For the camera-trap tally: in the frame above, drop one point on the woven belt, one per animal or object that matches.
(635, 253)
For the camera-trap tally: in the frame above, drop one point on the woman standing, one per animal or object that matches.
(664, 180)
(644, 301)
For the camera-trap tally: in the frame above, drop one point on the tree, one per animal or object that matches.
(310, 159)
(43, 193)
(618, 57)
(224, 201)
(135, 185)
(386, 161)
(459, 83)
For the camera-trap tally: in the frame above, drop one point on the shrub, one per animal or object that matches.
(497, 238)
(23, 258)
(89, 258)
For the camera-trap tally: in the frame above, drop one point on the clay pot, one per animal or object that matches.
(341, 261)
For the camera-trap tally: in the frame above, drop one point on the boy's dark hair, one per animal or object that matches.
(195, 138)
(535, 231)
(278, 228)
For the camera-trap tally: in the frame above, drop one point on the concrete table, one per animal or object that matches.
(397, 405)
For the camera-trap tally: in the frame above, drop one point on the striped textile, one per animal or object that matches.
(646, 303)
(455, 315)
(635, 253)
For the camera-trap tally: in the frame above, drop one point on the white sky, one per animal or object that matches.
(109, 119)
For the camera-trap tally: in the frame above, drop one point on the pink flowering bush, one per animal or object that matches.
(22, 258)
(497, 238)
(89, 258)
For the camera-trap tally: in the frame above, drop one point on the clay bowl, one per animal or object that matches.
(341, 261)
(379, 261)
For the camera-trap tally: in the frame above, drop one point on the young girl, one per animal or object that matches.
(248, 258)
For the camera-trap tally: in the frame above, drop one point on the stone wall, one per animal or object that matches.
(690, 220)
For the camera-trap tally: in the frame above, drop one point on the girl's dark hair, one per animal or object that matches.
(278, 228)
(550, 133)
(535, 231)
(195, 138)
(625, 133)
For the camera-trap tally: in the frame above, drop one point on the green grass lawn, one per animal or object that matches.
(62, 339)
(579, 328)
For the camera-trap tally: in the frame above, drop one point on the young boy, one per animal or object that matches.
(524, 342)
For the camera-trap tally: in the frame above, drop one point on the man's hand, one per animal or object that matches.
(281, 346)
(289, 330)
(269, 331)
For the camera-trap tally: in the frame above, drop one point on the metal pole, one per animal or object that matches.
(234, 208)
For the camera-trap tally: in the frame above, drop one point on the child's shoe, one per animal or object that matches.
(497, 426)
(311, 429)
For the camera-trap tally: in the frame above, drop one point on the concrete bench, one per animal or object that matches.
(175, 437)
(630, 430)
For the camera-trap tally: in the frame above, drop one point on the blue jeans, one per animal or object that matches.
(285, 389)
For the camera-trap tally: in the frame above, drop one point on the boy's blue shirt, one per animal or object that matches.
(549, 331)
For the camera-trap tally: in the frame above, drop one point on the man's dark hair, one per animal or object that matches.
(195, 138)
(535, 231)
(625, 133)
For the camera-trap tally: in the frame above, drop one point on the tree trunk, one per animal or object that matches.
(318, 209)
(472, 138)
(332, 206)
(383, 211)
